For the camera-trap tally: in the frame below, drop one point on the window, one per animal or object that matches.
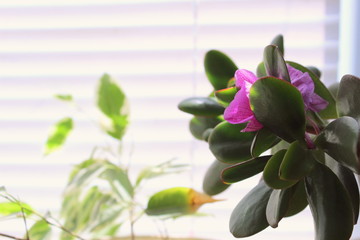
(155, 50)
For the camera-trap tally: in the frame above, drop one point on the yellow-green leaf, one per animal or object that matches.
(58, 135)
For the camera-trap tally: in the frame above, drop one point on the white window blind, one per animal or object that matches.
(155, 50)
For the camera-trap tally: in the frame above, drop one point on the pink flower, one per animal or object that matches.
(239, 110)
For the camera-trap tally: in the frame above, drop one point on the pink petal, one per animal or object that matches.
(238, 110)
(253, 125)
(317, 103)
(244, 76)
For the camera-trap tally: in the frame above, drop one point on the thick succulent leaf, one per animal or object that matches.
(271, 173)
(348, 97)
(198, 125)
(175, 201)
(261, 71)
(229, 145)
(316, 71)
(226, 95)
(347, 178)
(330, 111)
(279, 106)
(275, 64)
(58, 135)
(280, 146)
(279, 42)
(263, 141)
(339, 139)
(244, 170)
(112, 102)
(219, 69)
(212, 183)
(201, 106)
(278, 205)
(249, 216)
(298, 201)
(298, 162)
(330, 205)
(40, 230)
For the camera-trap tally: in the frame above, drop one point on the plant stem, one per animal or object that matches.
(12, 237)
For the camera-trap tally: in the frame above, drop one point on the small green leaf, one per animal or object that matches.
(339, 139)
(271, 173)
(261, 71)
(330, 205)
(315, 70)
(219, 69)
(64, 97)
(112, 102)
(226, 95)
(198, 125)
(348, 97)
(58, 135)
(41, 230)
(330, 111)
(249, 216)
(212, 183)
(278, 205)
(201, 106)
(274, 62)
(229, 145)
(270, 102)
(244, 170)
(175, 201)
(263, 141)
(298, 162)
(279, 42)
(10, 208)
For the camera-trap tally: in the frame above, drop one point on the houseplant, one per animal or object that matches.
(102, 194)
(286, 125)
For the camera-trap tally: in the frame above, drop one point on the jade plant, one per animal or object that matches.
(283, 124)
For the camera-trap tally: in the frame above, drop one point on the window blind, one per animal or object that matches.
(155, 50)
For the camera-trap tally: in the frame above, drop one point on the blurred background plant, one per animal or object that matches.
(101, 196)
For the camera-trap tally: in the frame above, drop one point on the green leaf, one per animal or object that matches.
(298, 162)
(261, 71)
(249, 216)
(219, 69)
(278, 205)
(339, 139)
(64, 97)
(229, 145)
(279, 42)
(348, 97)
(112, 102)
(244, 170)
(212, 183)
(168, 167)
(320, 89)
(298, 201)
(315, 70)
(274, 62)
(279, 106)
(10, 208)
(330, 205)
(271, 173)
(226, 95)
(58, 135)
(176, 201)
(201, 106)
(347, 178)
(118, 180)
(264, 140)
(198, 125)
(41, 230)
